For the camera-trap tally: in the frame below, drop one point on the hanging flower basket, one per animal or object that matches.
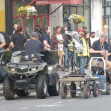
(76, 21)
(27, 11)
(76, 18)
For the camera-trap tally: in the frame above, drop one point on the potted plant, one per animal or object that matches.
(27, 11)
(76, 18)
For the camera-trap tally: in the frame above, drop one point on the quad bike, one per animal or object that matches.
(30, 72)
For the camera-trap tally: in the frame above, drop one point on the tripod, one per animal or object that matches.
(73, 64)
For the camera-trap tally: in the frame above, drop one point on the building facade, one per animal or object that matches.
(96, 12)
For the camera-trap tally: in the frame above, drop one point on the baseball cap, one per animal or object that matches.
(80, 30)
(34, 34)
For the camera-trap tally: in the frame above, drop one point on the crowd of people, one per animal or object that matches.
(40, 40)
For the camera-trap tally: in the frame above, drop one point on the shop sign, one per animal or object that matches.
(42, 2)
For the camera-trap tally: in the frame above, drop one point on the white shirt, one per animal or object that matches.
(60, 45)
(92, 40)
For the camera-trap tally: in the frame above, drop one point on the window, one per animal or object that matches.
(42, 9)
(42, 18)
(107, 14)
(84, 10)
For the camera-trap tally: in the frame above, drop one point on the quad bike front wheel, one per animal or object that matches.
(63, 91)
(41, 87)
(8, 89)
(73, 89)
(95, 89)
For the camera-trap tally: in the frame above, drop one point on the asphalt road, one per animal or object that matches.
(31, 103)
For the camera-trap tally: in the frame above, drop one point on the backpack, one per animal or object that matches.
(7, 40)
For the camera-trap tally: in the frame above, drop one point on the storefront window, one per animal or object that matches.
(29, 25)
(38, 22)
(26, 2)
(18, 21)
(107, 14)
(45, 22)
(84, 10)
(86, 2)
(41, 19)
(108, 11)
(17, 4)
(42, 9)
(87, 17)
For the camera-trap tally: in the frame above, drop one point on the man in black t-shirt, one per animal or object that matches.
(99, 47)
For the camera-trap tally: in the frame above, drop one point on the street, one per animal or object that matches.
(55, 103)
(31, 103)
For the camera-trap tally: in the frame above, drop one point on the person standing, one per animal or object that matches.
(92, 39)
(15, 27)
(63, 31)
(83, 57)
(80, 32)
(105, 30)
(84, 28)
(46, 38)
(3, 73)
(99, 47)
(58, 41)
(18, 40)
(2, 43)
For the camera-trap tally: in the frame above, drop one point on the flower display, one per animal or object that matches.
(76, 18)
(27, 10)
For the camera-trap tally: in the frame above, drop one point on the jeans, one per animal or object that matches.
(73, 54)
(83, 62)
(66, 57)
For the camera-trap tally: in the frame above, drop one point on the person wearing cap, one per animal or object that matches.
(33, 46)
(80, 32)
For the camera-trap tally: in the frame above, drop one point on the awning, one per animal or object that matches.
(43, 2)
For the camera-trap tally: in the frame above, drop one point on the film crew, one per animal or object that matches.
(83, 56)
(63, 31)
(71, 53)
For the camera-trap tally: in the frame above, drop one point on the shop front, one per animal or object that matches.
(83, 9)
(43, 12)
